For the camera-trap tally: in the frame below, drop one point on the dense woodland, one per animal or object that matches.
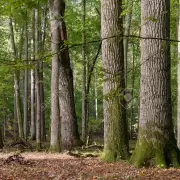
(76, 74)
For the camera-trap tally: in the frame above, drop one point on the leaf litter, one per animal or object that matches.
(48, 166)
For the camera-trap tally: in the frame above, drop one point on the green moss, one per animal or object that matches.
(154, 149)
(116, 145)
(38, 146)
(55, 148)
(108, 156)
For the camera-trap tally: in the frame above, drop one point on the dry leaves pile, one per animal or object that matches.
(43, 166)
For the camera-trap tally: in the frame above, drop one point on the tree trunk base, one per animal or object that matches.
(161, 154)
(113, 155)
(55, 148)
(38, 146)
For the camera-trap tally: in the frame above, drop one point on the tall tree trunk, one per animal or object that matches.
(15, 124)
(37, 85)
(128, 18)
(43, 36)
(69, 128)
(55, 46)
(133, 81)
(16, 81)
(33, 121)
(178, 81)
(84, 75)
(115, 127)
(25, 124)
(96, 93)
(156, 143)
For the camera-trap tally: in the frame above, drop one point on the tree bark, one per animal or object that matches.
(156, 143)
(37, 85)
(96, 93)
(128, 18)
(43, 36)
(115, 127)
(55, 46)
(33, 103)
(133, 84)
(84, 75)
(69, 128)
(16, 82)
(178, 81)
(25, 124)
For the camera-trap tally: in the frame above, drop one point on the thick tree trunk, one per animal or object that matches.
(156, 144)
(16, 82)
(178, 81)
(33, 121)
(55, 45)
(115, 128)
(69, 129)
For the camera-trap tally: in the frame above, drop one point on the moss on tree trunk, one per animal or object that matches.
(156, 144)
(55, 148)
(115, 128)
(153, 148)
(116, 146)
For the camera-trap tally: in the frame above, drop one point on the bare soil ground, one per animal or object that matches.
(47, 166)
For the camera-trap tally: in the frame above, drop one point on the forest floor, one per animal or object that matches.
(42, 166)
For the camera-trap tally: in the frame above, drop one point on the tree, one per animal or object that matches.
(16, 80)
(156, 143)
(178, 80)
(69, 129)
(128, 19)
(84, 75)
(33, 102)
(115, 128)
(37, 79)
(25, 122)
(55, 45)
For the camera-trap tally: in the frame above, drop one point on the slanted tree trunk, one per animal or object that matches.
(16, 81)
(33, 121)
(69, 129)
(55, 46)
(115, 127)
(156, 143)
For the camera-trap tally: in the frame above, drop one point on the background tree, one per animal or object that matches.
(69, 129)
(55, 45)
